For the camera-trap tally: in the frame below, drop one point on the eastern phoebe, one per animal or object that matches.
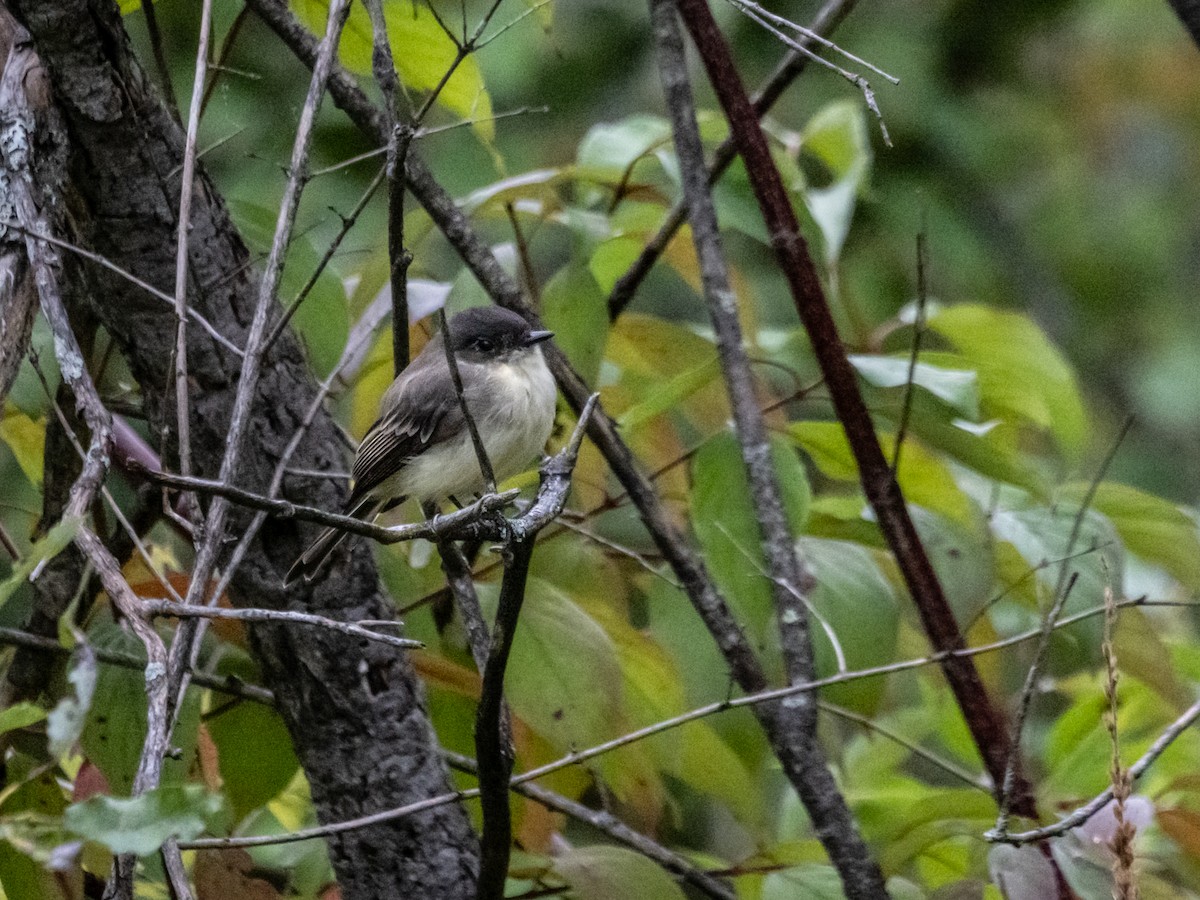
(420, 446)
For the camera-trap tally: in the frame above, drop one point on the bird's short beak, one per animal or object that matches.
(536, 337)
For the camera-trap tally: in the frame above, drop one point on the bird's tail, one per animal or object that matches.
(312, 559)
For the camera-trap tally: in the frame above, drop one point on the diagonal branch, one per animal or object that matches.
(794, 63)
(983, 718)
(790, 580)
(493, 747)
(686, 563)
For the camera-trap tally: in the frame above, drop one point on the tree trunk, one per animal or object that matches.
(355, 709)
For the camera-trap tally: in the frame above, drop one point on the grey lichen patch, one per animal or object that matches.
(70, 363)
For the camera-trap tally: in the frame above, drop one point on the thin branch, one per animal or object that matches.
(160, 58)
(231, 37)
(946, 765)
(804, 760)
(1081, 815)
(399, 259)
(132, 279)
(493, 741)
(910, 387)
(664, 725)
(46, 265)
(348, 222)
(175, 610)
(492, 750)
(763, 18)
(792, 65)
(608, 824)
(481, 454)
(225, 684)
(187, 186)
(985, 721)
(1026, 698)
(182, 648)
(456, 524)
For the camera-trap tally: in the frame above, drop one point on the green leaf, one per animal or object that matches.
(20, 715)
(809, 882)
(48, 547)
(1154, 529)
(1042, 536)
(994, 451)
(255, 754)
(26, 439)
(924, 478)
(669, 395)
(563, 677)
(116, 724)
(695, 754)
(128, 6)
(957, 387)
(609, 149)
(609, 873)
(140, 825)
(837, 136)
(422, 51)
(963, 557)
(65, 722)
(725, 521)
(575, 309)
(1022, 376)
(858, 604)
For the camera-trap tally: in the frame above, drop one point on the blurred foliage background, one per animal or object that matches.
(1051, 153)
(1051, 147)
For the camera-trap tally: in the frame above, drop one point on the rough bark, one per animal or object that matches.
(355, 709)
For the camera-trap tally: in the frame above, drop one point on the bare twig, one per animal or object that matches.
(1081, 815)
(806, 764)
(1026, 698)
(481, 454)
(231, 37)
(399, 259)
(186, 189)
(160, 57)
(45, 264)
(794, 63)
(910, 387)
(226, 684)
(132, 279)
(607, 823)
(766, 19)
(348, 222)
(175, 610)
(214, 526)
(456, 524)
(182, 648)
(948, 766)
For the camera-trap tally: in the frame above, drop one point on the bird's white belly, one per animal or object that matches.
(515, 424)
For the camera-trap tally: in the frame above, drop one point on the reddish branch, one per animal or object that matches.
(985, 721)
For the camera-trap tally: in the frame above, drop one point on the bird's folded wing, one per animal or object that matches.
(424, 412)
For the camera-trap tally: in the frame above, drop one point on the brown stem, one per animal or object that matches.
(985, 721)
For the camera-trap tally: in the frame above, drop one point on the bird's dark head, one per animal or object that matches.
(485, 333)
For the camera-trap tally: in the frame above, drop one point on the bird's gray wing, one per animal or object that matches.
(424, 411)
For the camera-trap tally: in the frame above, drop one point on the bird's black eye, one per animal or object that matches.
(483, 345)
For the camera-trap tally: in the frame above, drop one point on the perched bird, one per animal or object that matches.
(421, 446)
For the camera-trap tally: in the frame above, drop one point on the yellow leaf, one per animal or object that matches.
(422, 51)
(26, 439)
